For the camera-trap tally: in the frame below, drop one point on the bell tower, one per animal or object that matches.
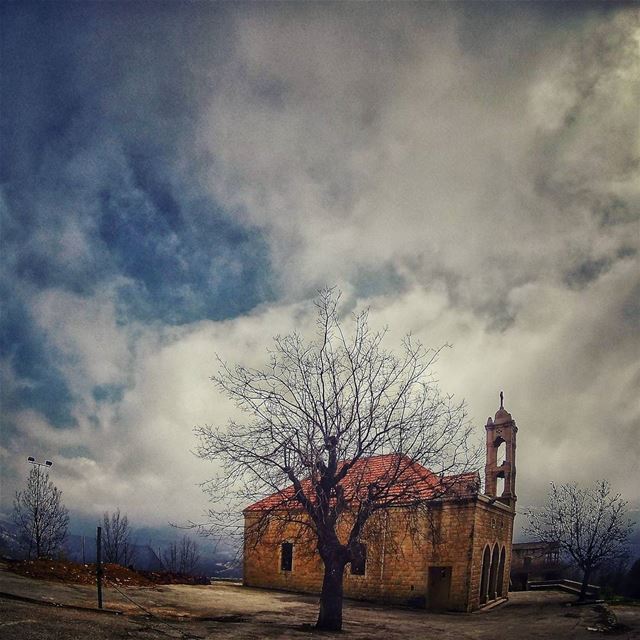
(502, 429)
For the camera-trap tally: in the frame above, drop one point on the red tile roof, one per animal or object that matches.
(401, 481)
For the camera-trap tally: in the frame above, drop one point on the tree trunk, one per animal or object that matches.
(330, 617)
(585, 584)
(38, 539)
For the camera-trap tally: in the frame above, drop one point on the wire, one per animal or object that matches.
(153, 615)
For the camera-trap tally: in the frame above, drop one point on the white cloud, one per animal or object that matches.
(85, 332)
(351, 157)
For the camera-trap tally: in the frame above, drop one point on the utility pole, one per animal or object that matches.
(99, 565)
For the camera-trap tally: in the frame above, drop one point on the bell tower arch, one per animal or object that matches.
(502, 429)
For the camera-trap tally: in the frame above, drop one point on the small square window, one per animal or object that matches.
(286, 556)
(359, 563)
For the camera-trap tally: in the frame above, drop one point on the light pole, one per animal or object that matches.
(46, 463)
(36, 511)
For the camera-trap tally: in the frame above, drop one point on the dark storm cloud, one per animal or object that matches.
(99, 112)
(99, 102)
(587, 271)
(44, 388)
(614, 211)
(631, 310)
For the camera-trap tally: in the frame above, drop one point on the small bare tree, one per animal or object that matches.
(40, 516)
(181, 556)
(590, 525)
(117, 545)
(318, 412)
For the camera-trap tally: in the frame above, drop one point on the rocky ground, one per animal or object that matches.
(224, 610)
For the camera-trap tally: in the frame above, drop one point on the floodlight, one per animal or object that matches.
(46, 463)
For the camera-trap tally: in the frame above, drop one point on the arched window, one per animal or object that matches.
(286, 556)
(359, 563)
(501, 453)
(500, 447)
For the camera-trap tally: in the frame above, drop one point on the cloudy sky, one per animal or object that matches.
(178, 179)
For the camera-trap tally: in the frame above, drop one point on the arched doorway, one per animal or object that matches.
(484, 581)
(502, 582)
(493, 572)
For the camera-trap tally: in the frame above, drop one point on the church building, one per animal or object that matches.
(457, 557)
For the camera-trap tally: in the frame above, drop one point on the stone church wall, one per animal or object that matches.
(399, 555)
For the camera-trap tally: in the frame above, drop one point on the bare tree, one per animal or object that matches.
(181, 556)
(317, 413)
(40, 516)
(590, 525)
(117, 545)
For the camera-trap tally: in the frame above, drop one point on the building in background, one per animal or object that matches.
(534, 561)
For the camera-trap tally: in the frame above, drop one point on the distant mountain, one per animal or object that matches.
(81, 547)
(8, 540)
(634, 541)
(228, 569)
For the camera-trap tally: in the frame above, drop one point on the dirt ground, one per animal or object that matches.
(226, 610)
(75, 572)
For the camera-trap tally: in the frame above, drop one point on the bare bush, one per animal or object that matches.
(117, 545)
(181, 556)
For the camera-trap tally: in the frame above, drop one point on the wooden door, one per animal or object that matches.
(439, 587)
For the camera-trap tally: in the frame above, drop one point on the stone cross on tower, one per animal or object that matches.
(502, 429)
